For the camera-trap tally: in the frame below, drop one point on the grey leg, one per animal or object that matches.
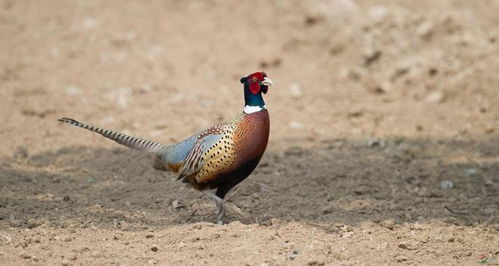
(220, 206)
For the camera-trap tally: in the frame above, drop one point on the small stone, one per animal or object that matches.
(295, 125)
(21, 153)
(425, 31)
(389, 224)
(327, 210)
(373, 142)
(295, 90)
(72, 90)
(72, 256)
(25, 255)
(33, 223)
(378, 13)
(371, 56)
(315, 263)
(401, 258)
(152, 261)
(15, 223)
(406, 246)
(66, 198)
(435, 97)
(446, 184)
(149, 236)
(292, 255)
(97, 254)
(470, 172)
(177, 204)
(154, 249)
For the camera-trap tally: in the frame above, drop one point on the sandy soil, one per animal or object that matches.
(384, 140)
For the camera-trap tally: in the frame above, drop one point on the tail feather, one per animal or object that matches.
(123, 139)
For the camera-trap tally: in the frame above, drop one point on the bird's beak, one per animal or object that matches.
(267, 82)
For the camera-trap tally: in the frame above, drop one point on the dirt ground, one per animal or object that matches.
(384, 143)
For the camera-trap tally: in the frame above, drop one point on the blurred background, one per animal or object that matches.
(383, 114)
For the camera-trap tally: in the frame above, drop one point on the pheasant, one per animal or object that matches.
(217, 158)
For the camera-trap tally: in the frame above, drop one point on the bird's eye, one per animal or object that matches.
(254, 79)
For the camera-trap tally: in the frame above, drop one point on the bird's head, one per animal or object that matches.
(256, 83)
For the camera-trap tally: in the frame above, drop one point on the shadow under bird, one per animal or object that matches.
(217, 158)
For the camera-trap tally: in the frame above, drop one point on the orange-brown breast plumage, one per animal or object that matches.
(234, 155)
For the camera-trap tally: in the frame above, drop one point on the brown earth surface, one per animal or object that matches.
(384, 141)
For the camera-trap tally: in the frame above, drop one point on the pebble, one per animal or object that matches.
(72, 256)
(435, 97)
(446, 184)
(21, 153)
(470, 171)
(389, 224)
(371, 56)
(292, 255)
(378, 13)
(400, 258)
(295, 124)
(33, 223)
(489, 182)
(373, 142)
(425, 31)
(295, 90)
(154, 249)
(407, 246)
(177, 204)
(25, 255)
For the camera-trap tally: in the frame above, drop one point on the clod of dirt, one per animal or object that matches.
(371, 56)
(273, 63)
(292, 255)
(72, 256)
(33, 223)
(389, 224)
(315, 263)
(293, 151)
(406, 246)
(21, 153)
(15, 223)
(25, 255)
(154, 249)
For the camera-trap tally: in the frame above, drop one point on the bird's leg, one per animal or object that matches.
(220, 206)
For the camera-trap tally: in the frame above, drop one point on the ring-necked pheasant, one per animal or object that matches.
(216, 158)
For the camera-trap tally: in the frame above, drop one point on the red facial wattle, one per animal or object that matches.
(254, 87)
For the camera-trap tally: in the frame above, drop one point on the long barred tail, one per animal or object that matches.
(129, 141)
